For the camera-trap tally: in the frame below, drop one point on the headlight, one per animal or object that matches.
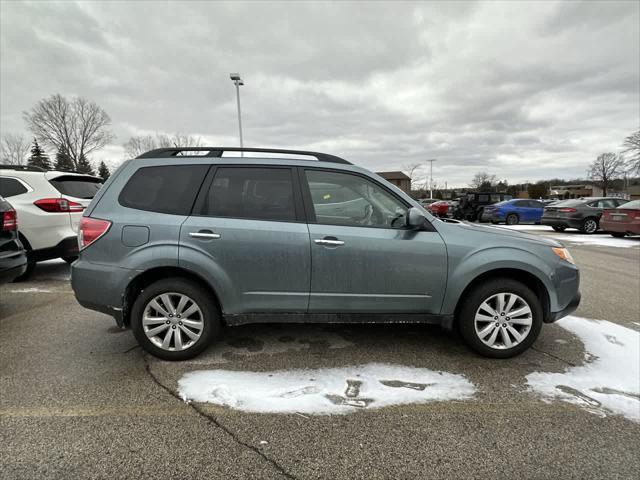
(564, 254)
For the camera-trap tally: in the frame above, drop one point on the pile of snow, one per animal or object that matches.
(323, 391)
(609, 381)
(30, 290)
(599, 240)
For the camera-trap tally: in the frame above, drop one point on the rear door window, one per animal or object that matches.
(77, 186)
(255, 193)
(10, 187)
(168, 189)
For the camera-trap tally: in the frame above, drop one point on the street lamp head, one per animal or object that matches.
(236, 78)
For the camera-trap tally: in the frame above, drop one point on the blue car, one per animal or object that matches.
(513, 212)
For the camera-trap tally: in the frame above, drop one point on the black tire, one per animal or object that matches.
(512, 219)
(70, 260)
(210, 316)
(472, 302)
(618, 234)
(587, 225)
(559, 229)
(28, 273)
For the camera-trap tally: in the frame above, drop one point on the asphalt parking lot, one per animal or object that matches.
(79, 399)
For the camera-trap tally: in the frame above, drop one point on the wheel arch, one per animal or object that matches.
(519, 275)
(152, 275)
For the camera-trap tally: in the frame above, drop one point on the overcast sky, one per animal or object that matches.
(525, 90)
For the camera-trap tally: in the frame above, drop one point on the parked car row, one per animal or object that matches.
(50, 205)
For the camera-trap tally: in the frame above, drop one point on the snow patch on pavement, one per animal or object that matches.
(323, 391)
(599, 240)
(544, 228)
(30, 290)
(609, 381)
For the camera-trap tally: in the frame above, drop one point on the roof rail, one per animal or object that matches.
(25, 168)
(218, 151)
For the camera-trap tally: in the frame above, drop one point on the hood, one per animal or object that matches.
(507, 233)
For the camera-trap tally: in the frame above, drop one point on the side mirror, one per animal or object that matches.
(415, 218)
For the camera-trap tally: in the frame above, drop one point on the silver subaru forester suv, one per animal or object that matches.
(181, 240)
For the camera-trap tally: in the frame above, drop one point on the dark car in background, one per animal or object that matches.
(13, 260)
(581, 213)
(472, 205)
(623, 220)
(513, 212)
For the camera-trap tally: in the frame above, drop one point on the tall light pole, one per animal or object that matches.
(431, 160)
(235, 78)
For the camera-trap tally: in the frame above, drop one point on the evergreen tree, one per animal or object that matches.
(103, 171)
(84, 166)
(63, 160)
(38, 158)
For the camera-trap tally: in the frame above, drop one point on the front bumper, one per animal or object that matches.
(569, 309)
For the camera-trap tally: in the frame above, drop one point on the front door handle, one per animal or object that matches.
(208, 234)
(329, 241)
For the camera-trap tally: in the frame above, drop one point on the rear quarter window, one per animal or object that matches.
(168, 189)
(77, 186)
(10, 187)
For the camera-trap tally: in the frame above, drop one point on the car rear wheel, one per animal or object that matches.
(617, 234)
(559, 229)
(501, 318)
(589, 225)
(512, 219)
(175, 319)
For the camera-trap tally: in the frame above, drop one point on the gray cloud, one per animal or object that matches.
(523, 90)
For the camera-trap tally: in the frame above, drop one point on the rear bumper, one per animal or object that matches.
(12, 268)
(66, 248)
(569, 309)
(623, 227)
(101, 287)
(562, 222)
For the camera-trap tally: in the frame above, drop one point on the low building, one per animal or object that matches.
(399, 179)
(573, 191)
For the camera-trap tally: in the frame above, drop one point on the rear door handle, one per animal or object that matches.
(208, 234)
(329, 241)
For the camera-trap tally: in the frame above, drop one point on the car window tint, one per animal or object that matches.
(10, 187)
(164, 189)
(607, 203)
(366, 203)
(483, 198)
(495, 197)
(77, 186)
(635, 204)
(251, 193)
(520, 203)
(535, 204)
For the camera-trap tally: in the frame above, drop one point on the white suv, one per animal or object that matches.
(49, 205)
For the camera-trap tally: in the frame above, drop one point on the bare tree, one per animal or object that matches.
(632, 151)
(14, 149)
(411, 171)
(77, 126)
(140, 144)
(482, 181)
(607, 167)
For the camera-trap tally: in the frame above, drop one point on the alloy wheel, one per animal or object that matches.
(503, 320)
(590, 225)
(173, 321)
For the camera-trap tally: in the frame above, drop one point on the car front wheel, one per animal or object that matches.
(175, 319)
(501, 318)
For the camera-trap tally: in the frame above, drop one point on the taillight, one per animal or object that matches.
(58, 205)
(567, 210)
(9, 220)
(90, 230)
